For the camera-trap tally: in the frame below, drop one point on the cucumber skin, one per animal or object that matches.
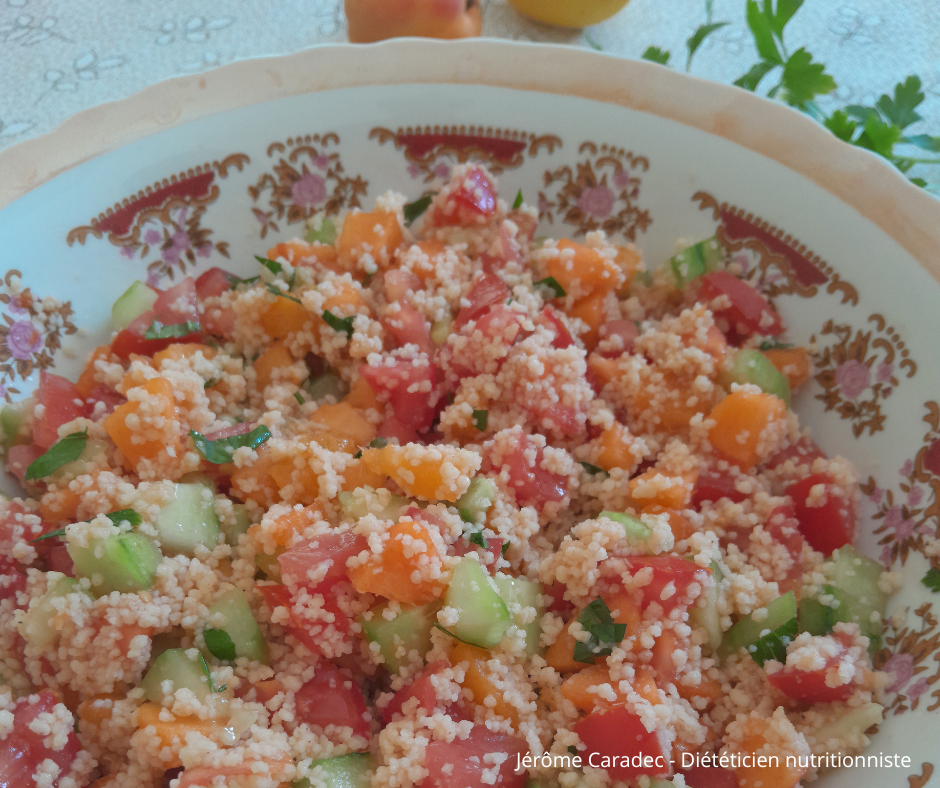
(128, 563)
(344, 771)
(411, 628)
(477, 499)
(634, 528)
(747, 630)
(483, 617)
(175, 665)
(187, 522)
(131, 304)
(752, 366)
(241, 626)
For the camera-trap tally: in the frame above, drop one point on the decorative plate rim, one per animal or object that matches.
(858, 178)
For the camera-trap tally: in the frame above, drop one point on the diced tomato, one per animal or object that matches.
(803, 452)
(469, 197)
(409, 327)
(22, 751)
(109, 398)
(61, 403)
(421, 688)
(177, 305)
(620, 335)
(214, 282)
(59, 560)
(559, 604)
(280, 596)
(563, 419)
(828, 525)
(532, 485)
(618, 733)
(411, 388)
(488, 290)
(562, 338)
(461, 763)
(782, 525)
(749, 313)
(712, 485)
(509, 249)
(809, 686)
(489, 554)
(331, 698)
(667, 569)
(526, 223)
(393, 427)
(709, 777)
(12, 580)
(241, 428)
(331, 550)
(19, 458)
(500, 326)
(398, 281)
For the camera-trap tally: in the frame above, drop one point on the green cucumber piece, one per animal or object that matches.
(752, 366)
(848, 726)
(183, 671)
(409, 630)
(634, 528)
(525, 593)
(747, 633)
(187, 521)
(240, 625)
(854, 582)
(345, 771)
(137, 299)
(815, 617)
(695, 260)
(241, 525)
(124, 562)
(365, 500)
(479, 497)
(269, 564)
(482, 616)
(325, 385)
(708, 617)
(12, 417)
(37, 628)
(440, 330)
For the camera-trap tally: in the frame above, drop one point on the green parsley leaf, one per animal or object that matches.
(762, 26)
(326, 234)
(572, 749)
(879, 136)
(785, 11)
(156, 330)
(773, 344)
(220, 451)
(517, 203)
(752, 78)
(504, 548)
(592, 43)
(414, 209)
(919, 182)
(249, 281)
(299, 397)
(60, 453)
(124, 516)
(861, 113)
(656, 55)
(378, 443)
(593, 469)
(358, 455)
(698, 37)
(840, 124)
(275, 290)
(605, 635)
(932, 579)
(272, 265)
(774, 644)
(220, 644)
(480, 419)
(924, 142)
(803, 79)
(205, 669)
(552, 284)
(339, 323)
(451, 634)
(212, 382)
(478, 538)
(900, 109)
(50, 535)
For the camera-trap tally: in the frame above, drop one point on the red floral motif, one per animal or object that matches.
(599, 193)
(784, 265)
(31, 330)
(433, 150)
(165, 218)
(860, 370)
(307, 179)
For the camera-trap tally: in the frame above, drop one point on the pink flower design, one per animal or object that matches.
(917, 689)
(15, 307)
(413, 170)
(906, 468)
(621, 179)
(128, 252)
(915, 496)
(597, 201)
(901, 666)
(895, 520)
(23, 340)
(543, 205)
(852, 377)
(743, 261)
(204, 251)
(883, 372)
(442, 171)
(877, 494)
(321, 162)
(151, 237)
(308, 191)
(260, 215)
(153, 279)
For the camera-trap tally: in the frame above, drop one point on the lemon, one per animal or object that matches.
(569, 13)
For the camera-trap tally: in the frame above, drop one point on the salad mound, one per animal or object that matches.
(429, 501)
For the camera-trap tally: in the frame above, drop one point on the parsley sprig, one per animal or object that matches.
(118, 517)
(932, 579)
(60, 453)
(220, 451)
(605, 635)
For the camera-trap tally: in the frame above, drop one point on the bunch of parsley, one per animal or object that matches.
(800, 79)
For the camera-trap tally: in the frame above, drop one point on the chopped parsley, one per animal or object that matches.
(339, 323)
(517, 203)
(478, 538)
(275, 290)
(414, 209)
(220, 451)
(552, 284)
(773, 645)
(932, 579)
(272, 265)
(205, 668)
(299, 397)
(604, 634)
(451, 634)
(593, 469)
(212, 382)
(60, 453)
(249, 281)
(773, 344)
(50, 535)
(118, 517)
(480, 419)
(378, 443)
(157, 330)
(220, 644)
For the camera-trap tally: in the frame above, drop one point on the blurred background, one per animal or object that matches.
(58, 57)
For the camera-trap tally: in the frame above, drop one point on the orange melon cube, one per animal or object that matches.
(584, 270)
(181, 351)
(476, 680)
(362, 396)
(653, 488)
(159, 405)
(377, 234)
(285, 316)
(592, 309)
(340, 427)
(614, 448)
(172, 734)
(793, 363)
(272, 363)
(301, 253)
(740, 419)
(86, 381)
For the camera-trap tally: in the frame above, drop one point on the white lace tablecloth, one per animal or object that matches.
(58, 57)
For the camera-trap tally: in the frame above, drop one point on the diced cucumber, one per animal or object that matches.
(440, 330)
(37, 627)
(269, 564)
(240, 625)
(479, 497)
(364, 500)
(188, 520)
(345, 771)
(409, 630)
(634, 528)
(241, 525)
(325, 385)
(752, 366)
(815, 617)
(136, 300)
(525, 593)
(198, 477)
(847, 727)
(696, 260)
(183, 671)
(12, 417)
(856, 577)
(482, 616)
(708, 617)
(122, 562)
(320, 228)
(747, 632)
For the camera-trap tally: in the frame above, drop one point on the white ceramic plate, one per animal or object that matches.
(210, 170)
